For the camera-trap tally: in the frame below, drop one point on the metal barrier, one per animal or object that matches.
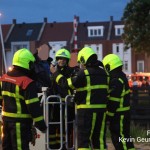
(69, 99)
(43, 141)
(48, 101)
(46, 116)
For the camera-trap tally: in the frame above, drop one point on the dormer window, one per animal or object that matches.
(119, 30)
(29, 32)
(95, 31)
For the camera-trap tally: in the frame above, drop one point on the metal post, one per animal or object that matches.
(3, 49)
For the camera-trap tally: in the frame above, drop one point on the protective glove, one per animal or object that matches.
(34, 135)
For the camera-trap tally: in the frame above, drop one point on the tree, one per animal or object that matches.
(136, 18)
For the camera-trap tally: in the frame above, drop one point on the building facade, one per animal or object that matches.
(103, 37)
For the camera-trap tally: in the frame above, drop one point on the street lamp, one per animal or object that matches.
(3, 49)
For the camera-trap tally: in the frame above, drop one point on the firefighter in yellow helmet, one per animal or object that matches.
(20, 104)
(62, 59)
(118, 108)
(91, 87)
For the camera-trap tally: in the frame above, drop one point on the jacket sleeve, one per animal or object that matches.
(75, 81)
(33, 105)
(116, 88)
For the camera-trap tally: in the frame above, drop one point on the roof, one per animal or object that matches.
(5, 29)
(25, 32)
(57, 32)
(83, 31)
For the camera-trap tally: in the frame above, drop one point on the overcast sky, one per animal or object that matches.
(60, 10)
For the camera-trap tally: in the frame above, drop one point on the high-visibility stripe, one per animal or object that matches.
(52, 136)
(123, 109)
(93, 125)
(91, 87)
(121, 132)
(33, 100)
(18, 104)
(91, 106)
(88, 96)
(38, 119)
(124, 92)
(11, 94)
(58, 77)
(18, 134)
(84, 148)
(53, 142)
(114, 99)
(102, 132)
(14, 115)
(70, 83)
(110, 113)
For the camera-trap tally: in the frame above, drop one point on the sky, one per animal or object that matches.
(34, 11)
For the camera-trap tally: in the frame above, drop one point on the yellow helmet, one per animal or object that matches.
(84, 54)
(63, 53)
(22, 58)
(111, 62)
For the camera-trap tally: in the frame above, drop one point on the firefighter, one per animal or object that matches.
(62, 64)
(20, 104)
(91, 85)
(118, 108)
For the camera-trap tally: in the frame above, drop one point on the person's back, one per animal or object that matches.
(98, 81)
(21, 106)
(91, 86)
(118, 107)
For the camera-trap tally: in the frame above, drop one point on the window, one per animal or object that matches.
(97, 49)
(125, 66)
(18, 45)
(29, 32)
(95, 31)
(119, 30)
(140, 66)
(117, 48)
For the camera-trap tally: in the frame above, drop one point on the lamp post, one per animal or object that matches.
(3, 49)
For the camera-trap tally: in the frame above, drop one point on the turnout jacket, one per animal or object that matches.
(58, 87)
(119, 99)
(19, 99)
(91, 86)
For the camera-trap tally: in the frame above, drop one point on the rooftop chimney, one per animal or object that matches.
(111, 18)
(45, 20)
(14, 21)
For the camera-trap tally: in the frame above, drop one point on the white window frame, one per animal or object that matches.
(95, 31)
(140, 62)
(18, 45)
(119, 28)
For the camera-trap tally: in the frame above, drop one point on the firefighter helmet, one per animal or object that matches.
(111, 62)
(63, 53)
(85, 54)
(22, 58)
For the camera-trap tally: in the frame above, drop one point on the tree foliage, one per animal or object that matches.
(136, 18)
